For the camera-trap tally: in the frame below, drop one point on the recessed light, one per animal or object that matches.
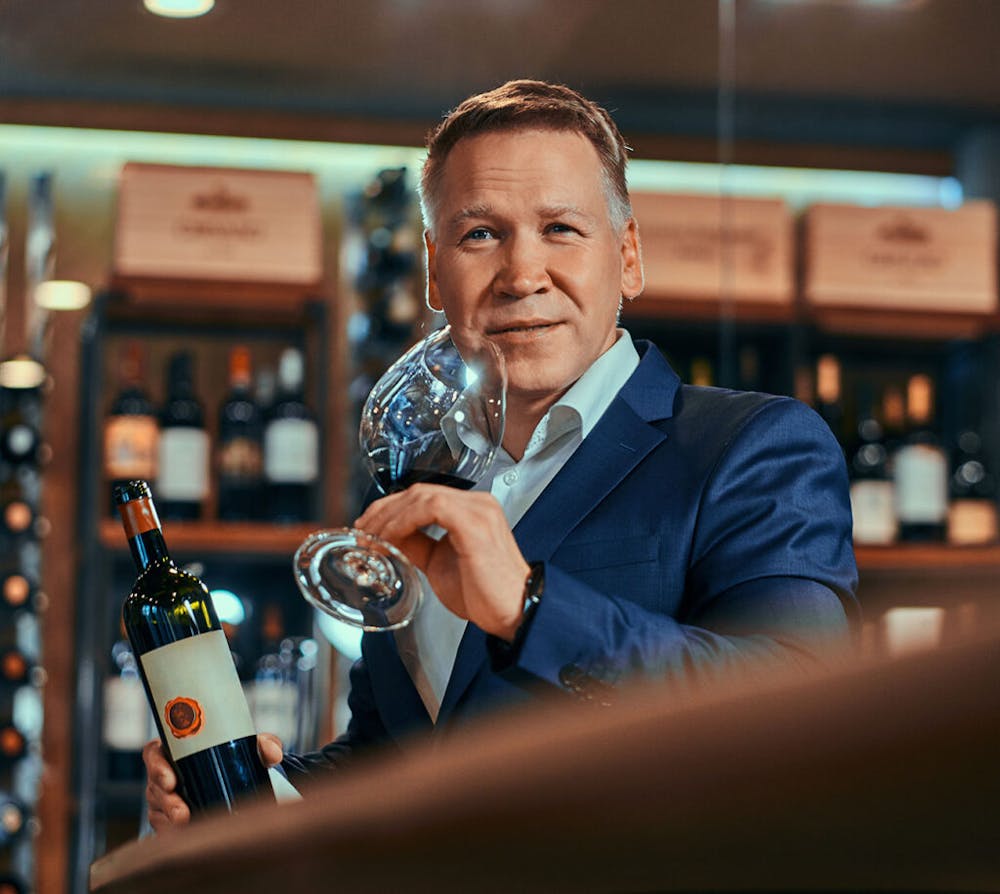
(179, 9)
(21, 371)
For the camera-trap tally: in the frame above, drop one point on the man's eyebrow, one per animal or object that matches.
(552, 211)
(546, 212)
(470, 212)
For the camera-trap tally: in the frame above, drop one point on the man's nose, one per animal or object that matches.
(524, 269)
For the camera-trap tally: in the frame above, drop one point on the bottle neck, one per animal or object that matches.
(142, 527)
(147, 548)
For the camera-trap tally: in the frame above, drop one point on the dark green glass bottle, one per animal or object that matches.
(186, 668)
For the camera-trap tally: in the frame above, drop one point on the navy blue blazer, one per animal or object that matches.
(693, 529)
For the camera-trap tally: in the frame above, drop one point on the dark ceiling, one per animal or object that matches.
(920, 76)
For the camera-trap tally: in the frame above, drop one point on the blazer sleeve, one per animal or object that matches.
(364, 730)
(771, 573)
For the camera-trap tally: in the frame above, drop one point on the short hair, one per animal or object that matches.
(530, 105)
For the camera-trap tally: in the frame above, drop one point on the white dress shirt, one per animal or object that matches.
(429, 644)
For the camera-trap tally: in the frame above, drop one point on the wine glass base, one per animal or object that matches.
(357, 579)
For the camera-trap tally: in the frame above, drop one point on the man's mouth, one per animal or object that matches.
(522, 327)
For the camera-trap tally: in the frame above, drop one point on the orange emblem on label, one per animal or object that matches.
(184, 716)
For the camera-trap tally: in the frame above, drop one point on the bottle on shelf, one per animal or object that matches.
(182, 480)
(13, 736)
(127, 724)
(13, 819)
(701, 372)
(20, 494)
(275, 697)
(188, 673)
(20, 429)
(17, 591)
(972, 511)
(920, 468)
(872, 499)
(131, 429)
(291, 447)
(829, 401)
(240, 446)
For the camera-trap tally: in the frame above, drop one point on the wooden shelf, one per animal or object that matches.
(258, 538)
(933, 325)
(659, 307)
(914, 558)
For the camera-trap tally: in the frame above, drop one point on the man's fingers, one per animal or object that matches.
(269, 748)
(158, 769)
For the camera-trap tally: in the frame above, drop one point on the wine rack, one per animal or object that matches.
(249, 561)
(22, 674)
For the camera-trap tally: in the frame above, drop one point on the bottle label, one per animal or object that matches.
(873, 507)
(183, 473)
(972, 521)
(240, 460)
(197, 694)
(921, 484)
(130, 447)
(291, 451)
(126, 714)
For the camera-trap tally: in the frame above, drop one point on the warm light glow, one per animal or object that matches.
(179, 9)
(21, 371)
(229, 607)
(62, 294)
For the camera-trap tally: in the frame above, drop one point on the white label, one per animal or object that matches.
(126, 714)
(183, 473)
(291, 451)
(873, 507)
(199, 701)
(921, 484)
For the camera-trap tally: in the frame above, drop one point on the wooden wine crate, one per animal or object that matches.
(896, 258)
(247, 229)
(711, 248)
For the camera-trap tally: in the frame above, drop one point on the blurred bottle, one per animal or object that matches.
(240, 452)
(701, 372)
(20, 495)
(20, 428)
(182, 479)
(972, 512)
(920, 468)
(17, 591)
(131, 430)
(291, 447)
(275, 699)
(829, 401)
(127, 723)
(13, 819)
(872, 499)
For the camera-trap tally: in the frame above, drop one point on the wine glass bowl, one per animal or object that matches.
(435, 416)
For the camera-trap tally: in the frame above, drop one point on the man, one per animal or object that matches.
(631, 525)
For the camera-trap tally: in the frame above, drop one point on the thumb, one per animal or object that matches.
(269, 748)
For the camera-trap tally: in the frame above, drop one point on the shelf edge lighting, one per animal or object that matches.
(62, 294)
(179, 9)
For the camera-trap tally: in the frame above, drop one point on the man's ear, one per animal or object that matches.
(631, 248)
(430, 259)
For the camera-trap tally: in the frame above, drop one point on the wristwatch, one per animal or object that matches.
(502, 653)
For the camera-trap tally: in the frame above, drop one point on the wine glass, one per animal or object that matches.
(437, 416)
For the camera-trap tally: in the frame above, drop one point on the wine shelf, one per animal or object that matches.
(257, 538)
(917, 557)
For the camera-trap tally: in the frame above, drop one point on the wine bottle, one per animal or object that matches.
(131, 430)
(921, 468)
(872, 500)
(183, 457)
(126, 721)
(829, 403)
(972, 511)
(186, 668)
(20, 435)
(275, 694)
(17, 591)
(13, 738)
(291, 446)
(240, 455)
(13, 819)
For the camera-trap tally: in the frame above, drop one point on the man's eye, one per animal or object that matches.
(561, 228)
(478, 234)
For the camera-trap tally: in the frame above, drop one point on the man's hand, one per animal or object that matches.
(166, 807)
(476, 569)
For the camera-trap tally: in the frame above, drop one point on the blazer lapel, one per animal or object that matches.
(616, 445)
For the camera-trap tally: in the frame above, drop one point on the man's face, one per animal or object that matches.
(524, 251)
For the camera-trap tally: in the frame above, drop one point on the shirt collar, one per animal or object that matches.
(586, 400)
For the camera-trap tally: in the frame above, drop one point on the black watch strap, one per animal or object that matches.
(502, 653)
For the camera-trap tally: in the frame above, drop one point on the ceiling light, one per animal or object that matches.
(179, 9)
(62, 294)
(21, 371)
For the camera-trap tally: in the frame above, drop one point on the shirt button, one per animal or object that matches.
(510, 477)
